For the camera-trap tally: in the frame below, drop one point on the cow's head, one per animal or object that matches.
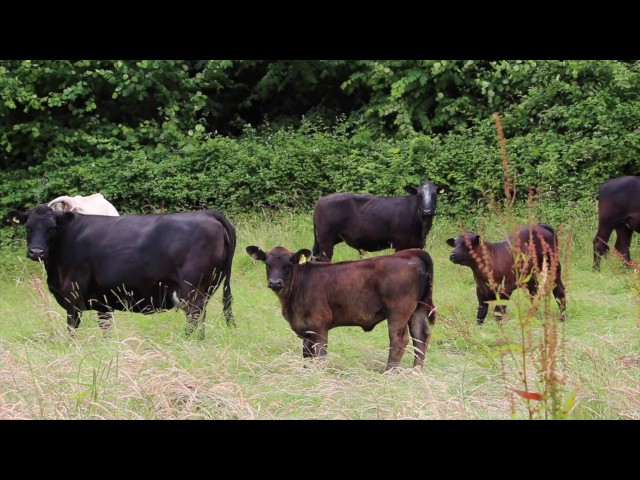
(43, 225)
(462, 248)
(279, 262)
(427, 193)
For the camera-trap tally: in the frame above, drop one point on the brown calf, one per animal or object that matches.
(536, 243)
(317, 297)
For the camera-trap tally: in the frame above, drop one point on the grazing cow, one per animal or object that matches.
(142, 263)
(317, 297)
(94, 204)
(370, 223)
(619, 210)
(498, 259)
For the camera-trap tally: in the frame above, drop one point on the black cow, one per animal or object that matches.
(142, 263)
(317, 297)
(525, 253)
(371, 223)
(619, 210)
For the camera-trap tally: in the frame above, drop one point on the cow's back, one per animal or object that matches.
(544, 241)
(336, 208)
(618, 197)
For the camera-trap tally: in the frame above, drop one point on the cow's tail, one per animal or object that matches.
(315, 251)
(426, 288)
(230, 243)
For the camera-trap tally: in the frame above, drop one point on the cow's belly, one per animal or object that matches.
(368, 244)
(365, 318)
(160, 298)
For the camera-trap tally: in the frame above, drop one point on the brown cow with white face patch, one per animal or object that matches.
(317, 297)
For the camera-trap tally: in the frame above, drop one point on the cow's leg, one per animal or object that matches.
(195, 311)
(600, 247)
(73, 320)
(314, 345)
(420, 334)
(483, 307)
(398, 340)
(324, 243)
(307, 346)
(559, 294)
(105, 322)
(227, 299)
(326, 251)
(623, 242)
(501, 310)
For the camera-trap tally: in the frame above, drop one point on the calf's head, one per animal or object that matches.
(462, 248)
(427, 195)
(279, 262)
(43, 226)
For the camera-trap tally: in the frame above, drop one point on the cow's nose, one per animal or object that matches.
(452, 257)
(276, 284)
(35, 253)
(428, 211)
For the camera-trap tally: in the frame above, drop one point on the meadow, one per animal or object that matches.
(147, 369)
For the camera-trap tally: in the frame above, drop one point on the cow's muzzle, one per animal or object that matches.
(35, 254)
(276, 285)
(453, 258)
(427, 212)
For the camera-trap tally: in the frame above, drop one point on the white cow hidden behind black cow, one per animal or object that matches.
(94, 204)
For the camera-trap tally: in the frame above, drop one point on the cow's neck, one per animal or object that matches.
(495, 252)
(292, 288)
(426, 227)
(51, 266)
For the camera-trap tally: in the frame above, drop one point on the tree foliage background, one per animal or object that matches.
(241, 135)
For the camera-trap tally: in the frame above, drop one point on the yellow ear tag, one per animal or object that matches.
(302, 260)
(15, 220)
(441, 190)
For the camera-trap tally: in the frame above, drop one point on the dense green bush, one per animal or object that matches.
(247, 135)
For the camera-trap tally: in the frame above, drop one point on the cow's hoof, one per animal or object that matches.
(192, 332)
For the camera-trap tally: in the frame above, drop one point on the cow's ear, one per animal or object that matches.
(256, 253)
(440, 188)
(301, 256)
(411, 190)
(14, 216)
(451, 242)
(64, 217)
(475, 240)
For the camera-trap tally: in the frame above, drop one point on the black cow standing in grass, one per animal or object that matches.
(142, 263)
(317, 297)
(371, 223)
(537, 243)
(619, 210)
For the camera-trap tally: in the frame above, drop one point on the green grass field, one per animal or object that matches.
(147, 370)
